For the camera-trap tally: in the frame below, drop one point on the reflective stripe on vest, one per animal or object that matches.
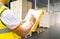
(2, 8)
(5, 30)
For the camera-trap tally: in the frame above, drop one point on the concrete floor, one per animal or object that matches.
(52, 33)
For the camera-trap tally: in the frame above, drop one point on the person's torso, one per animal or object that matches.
(5, 32)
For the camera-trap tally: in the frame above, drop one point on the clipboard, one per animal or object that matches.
(37, 14)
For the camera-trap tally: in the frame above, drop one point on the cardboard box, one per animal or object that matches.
(21, 7)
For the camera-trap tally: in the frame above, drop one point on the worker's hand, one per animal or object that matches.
(23, 21)
(32, 19)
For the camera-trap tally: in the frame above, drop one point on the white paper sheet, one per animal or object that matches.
(35, 13)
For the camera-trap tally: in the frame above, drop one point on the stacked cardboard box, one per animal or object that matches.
(29, 5)
(17, 9)
(45, 21)
(24, 8)
(26, 5)
(20, 8)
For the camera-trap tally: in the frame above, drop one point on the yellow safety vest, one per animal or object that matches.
(5, 32)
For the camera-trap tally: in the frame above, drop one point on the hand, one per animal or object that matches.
(23, 21)
(32, 19)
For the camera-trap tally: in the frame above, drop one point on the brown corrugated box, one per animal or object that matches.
(29, 5)
(24, 6)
